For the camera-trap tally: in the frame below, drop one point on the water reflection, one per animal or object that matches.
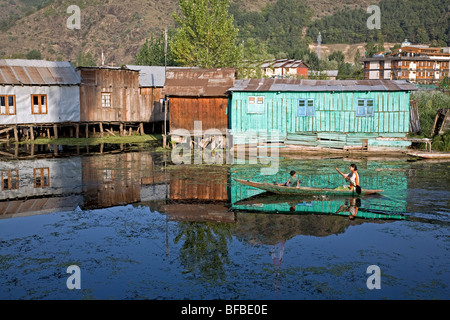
(210, 225)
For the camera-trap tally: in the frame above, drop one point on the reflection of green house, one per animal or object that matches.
(344, 114)
(375, 176)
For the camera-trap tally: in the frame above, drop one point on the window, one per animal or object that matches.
(306, 108)
(365, 108)
(255, 105)
(39, 104)
(10, 179)
(41, 177)
(106, 99)
(7, 105)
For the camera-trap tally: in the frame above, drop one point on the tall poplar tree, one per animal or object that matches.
(206, 36)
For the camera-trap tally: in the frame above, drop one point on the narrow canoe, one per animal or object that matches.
(271, 187)
(430, 155)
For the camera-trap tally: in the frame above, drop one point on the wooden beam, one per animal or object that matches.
(101, 130)
(141, 128)
(109, 131)
(6, 130)
(16, 134)
(32, 133)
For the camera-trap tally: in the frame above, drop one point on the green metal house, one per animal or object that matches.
(372, 115)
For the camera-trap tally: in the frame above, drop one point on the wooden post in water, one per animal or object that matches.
(31, 133)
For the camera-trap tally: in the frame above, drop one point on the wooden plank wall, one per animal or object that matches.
(151, 107)
(334, 112)
(124, 88)
(184, 111)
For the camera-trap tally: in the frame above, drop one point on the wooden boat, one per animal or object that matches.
(274, 188)
(430, 155)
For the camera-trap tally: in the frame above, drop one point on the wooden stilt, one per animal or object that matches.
(16, 134)
(71, 132)
(121, 129)
(87, 130)
(141, 128)
(48, 133)
(101, 130)
(77, 131)
(31, 133)
(55, 131)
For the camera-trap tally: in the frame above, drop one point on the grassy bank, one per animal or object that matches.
(135, 139)
(429, 102)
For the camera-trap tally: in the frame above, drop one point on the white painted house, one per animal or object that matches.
(36, 92)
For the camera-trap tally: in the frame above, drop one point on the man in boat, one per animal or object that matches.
(352, 178)
(293, 181)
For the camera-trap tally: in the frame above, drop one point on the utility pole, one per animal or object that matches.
(319, 42)
(165, 98)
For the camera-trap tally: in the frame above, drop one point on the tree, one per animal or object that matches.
(152, 52)
(85, 60)
(206, 36)
(34, 54)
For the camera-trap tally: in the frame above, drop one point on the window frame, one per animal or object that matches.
(39, 96)
(366, 107)
(9, 174)
(43, 172)
(258, 108)
(7, 105)
(307, 108)
(109, 95)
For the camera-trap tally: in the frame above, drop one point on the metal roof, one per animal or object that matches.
(301, 85)
(199, 82)
(284, 63)
(150, 76)
(37, 72)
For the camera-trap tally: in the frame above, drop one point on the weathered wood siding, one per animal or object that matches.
(211, 111)
(151, 106)
(122, 84)
(334, 112)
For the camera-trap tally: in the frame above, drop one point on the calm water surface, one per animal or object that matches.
(140, 227)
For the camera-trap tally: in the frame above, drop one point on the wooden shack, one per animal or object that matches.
(36, 96)
(344, 114)
(109, 100)
(198, 96)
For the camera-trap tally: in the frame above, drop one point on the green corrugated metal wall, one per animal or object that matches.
(334, 112)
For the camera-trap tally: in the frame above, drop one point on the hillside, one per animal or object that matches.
(118, 27)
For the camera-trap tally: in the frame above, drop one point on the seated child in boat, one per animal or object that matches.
(293, 181)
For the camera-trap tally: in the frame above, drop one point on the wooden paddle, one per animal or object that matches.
(357, 188)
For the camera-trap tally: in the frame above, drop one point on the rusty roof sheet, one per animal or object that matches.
(37, 72)
(321, 85)
(199, 82)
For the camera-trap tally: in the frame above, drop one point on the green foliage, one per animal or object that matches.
(85, 60)
(34, 54)
(152, 52)
(429, 102)
(206, 36)
(441, 143)
(421, 21)
(254, 52)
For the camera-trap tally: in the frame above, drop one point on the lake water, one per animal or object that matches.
(140, 227)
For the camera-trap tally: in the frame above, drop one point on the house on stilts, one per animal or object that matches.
(367, 115)
(38, 97)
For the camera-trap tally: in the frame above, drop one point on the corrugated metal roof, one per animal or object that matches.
(37, 72)
(150, 76)
(199, 82)
(284, 63)
(322, 85)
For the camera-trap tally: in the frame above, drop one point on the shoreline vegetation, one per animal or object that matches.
(92, 141)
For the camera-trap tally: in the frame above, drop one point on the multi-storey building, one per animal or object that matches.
(417, 64)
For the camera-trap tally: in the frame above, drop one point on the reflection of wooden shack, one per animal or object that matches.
(39, 186)
(198, 196)
(36, 96)
(198, 100)
(118, 179)
(22, 179)
(110, 96)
